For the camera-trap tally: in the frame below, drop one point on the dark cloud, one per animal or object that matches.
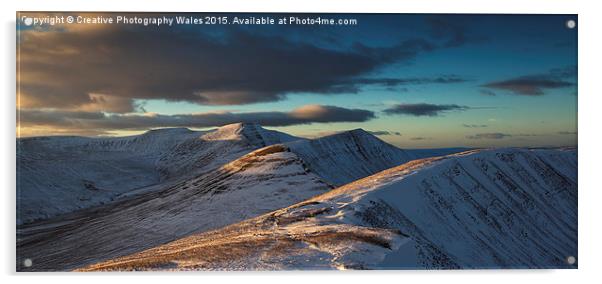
(423, 109)
(528, 86)
(474, 125)
(384, 133)
(321, 113)
(420, 138)
(567, 132)
(71, 69)
(103, 122)
(495, 135)
(534, 85)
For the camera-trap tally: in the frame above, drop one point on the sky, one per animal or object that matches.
(414, 80)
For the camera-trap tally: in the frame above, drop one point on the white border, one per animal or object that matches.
(374, 6)
(590, 141)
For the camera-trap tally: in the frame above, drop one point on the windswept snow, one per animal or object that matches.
(347, 156)
(217, 148)
(259, 182)
(506, 208)
(252, 133)
(57, 175)
(87, 200)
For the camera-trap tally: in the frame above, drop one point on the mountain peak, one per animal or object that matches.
(346, 150)
(252, 133)
(234, 131)
(358, 132)
(240, 127)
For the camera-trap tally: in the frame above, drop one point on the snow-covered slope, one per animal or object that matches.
(507, 208)
(57, 175)
(416, 154)
(153, 142)
(261, 181)
(218, 147)
(251, 133)
(347, 156)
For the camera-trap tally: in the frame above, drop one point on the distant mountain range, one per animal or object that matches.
(244, 197)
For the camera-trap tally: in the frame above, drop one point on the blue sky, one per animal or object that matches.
(428, 80)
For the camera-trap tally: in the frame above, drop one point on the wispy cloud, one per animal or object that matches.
(420, 138)
(495, 135)
(384, 133)
(498, 135)
(392, 82)
(474, 125)
(486, 92)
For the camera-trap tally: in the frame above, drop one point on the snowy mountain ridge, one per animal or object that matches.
(507, 208)
(354, 154)
(58, 175)
(216, 148)
(252, 132)
(261, 181)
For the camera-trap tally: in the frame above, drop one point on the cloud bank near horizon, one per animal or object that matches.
(109, 122)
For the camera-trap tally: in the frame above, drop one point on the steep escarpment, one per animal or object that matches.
(344, 157)
(216, 148)
(506, 208)
(261, 181)
(58, 175)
